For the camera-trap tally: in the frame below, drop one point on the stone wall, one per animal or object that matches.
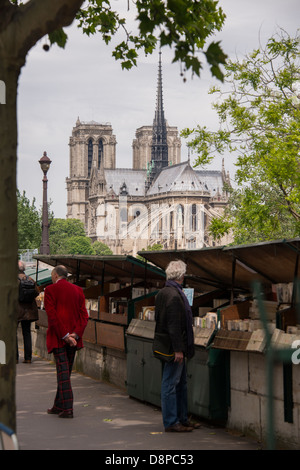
(249, 400)
(98, 362)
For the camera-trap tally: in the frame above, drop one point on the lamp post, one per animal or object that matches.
(45, 163)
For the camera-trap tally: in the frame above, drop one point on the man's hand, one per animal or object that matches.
(178, 357)
(71, 340)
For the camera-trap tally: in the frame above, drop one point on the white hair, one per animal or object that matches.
(175, 269)
(21, 266)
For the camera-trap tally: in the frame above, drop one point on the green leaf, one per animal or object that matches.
(184, 25)
(58, 37)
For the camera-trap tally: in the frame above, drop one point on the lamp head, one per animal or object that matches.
(45, 162)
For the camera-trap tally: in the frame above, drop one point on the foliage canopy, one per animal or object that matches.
(67, 236)
(184, 25)
(29, 223)
(259, 115)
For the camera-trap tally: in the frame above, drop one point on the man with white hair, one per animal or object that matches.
(173, 317)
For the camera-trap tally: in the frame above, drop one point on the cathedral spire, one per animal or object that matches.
(159, 118)
(159, 148)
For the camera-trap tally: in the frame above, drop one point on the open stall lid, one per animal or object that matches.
(40, 276)
(234, 266)
(110, 268)
(276, 261)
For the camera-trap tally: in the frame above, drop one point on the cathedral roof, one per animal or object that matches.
(182, 177)
(212, 180)
(175, 178)
(133, 179)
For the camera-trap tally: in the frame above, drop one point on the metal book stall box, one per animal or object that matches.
(227, 317)
(143, 369)
(113, 286)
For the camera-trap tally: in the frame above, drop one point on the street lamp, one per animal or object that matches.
(45, 163)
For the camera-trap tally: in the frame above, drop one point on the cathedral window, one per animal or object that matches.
(194, 218)
(90, 156)
(191, 244)
(100, 152)
(180, 216)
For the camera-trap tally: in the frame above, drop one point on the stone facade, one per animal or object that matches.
(141, 147)
(91, 144)
(118, 209)
(159, 200)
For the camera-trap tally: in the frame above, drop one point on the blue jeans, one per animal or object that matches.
(174, 394)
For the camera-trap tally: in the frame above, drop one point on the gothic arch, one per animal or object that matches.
(90, 146)
(194, 217)
(100, 152)
(179, 211)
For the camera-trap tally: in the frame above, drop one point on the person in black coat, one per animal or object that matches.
(27, 313)
(173, 317)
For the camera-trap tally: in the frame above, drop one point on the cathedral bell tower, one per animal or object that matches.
(92, 147)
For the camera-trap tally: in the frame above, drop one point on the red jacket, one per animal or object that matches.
(65, 307)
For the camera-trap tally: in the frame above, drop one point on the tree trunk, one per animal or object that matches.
(20, 29)
(8, 242)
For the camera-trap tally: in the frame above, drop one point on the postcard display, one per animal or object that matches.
(239, 327)
(111, 313)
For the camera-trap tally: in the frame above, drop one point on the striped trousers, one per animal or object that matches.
(64, 359)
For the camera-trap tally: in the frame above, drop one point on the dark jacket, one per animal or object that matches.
(170, 317)
(27, 311)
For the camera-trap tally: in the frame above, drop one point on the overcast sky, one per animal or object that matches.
(83, 80)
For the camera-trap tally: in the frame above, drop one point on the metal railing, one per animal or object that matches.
(27, 255)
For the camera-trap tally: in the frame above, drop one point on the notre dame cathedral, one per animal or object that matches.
(160, 200)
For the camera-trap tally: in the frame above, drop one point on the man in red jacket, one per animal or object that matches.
(67, 318)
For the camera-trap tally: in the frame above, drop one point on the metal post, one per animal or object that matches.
(45, 165)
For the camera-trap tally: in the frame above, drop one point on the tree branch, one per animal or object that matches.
(7, 11)
(5, 4)
(33, 20)
(289, 205)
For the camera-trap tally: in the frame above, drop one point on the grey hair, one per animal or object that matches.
(61, 270)
(175, 269)
(21, 266)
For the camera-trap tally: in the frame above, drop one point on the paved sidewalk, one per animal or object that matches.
(105, 418)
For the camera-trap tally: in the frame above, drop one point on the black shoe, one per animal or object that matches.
(53, 411)
(189, 424)
(178, 428)
(66, 414)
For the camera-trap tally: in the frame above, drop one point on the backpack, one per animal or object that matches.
(27, 291)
